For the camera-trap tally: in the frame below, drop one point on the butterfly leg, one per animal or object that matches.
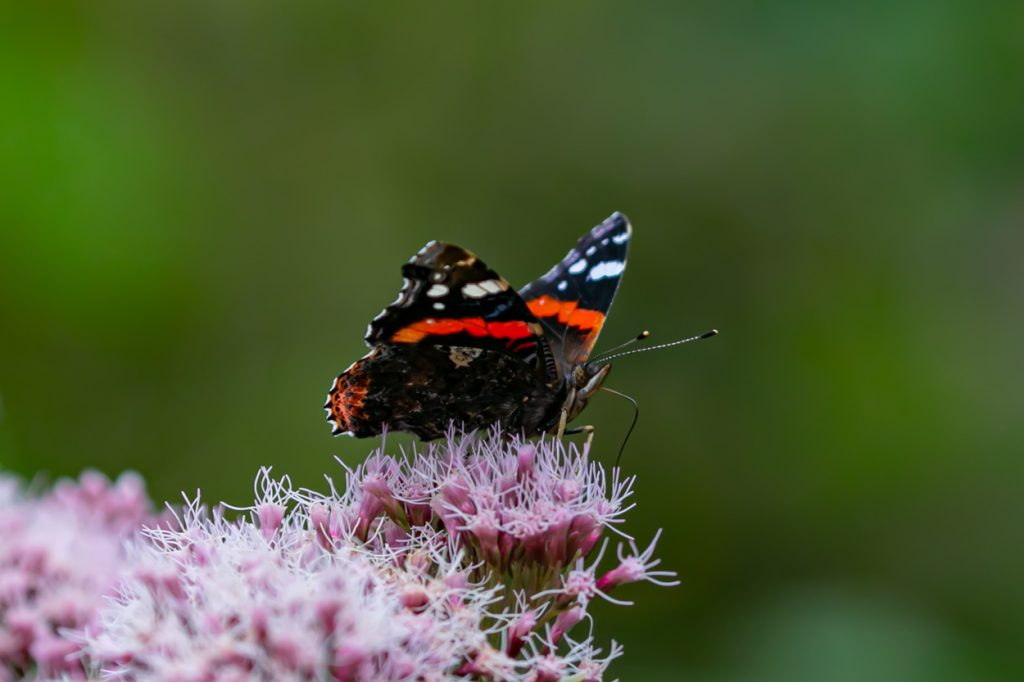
(562, 421)
(587, 429)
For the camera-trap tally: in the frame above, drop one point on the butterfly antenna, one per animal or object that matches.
(639, 337)
(706, 335)
(636, 416)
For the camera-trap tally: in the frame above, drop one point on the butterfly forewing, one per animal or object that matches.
(450, 297)
(572, 299)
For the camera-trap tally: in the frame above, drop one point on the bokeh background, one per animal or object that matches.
(202, 205)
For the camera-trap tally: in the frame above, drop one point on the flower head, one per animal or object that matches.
(518, 508)
(60, 553)
(636, 567)
(471, 559)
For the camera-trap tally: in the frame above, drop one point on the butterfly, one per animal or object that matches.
(460, 345)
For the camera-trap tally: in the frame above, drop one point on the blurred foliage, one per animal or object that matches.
(201, 206)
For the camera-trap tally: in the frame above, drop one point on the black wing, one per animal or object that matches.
(572, 299)
(450, 297)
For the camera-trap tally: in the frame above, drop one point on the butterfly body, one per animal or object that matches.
(460, 345)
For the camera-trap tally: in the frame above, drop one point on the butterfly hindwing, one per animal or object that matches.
(572, 299)
(450, 297)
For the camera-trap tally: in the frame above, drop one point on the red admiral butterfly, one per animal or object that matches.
(459, 344)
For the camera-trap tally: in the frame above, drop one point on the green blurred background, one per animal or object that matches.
(202, 205)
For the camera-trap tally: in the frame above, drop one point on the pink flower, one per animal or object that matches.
(519, 631)
(637, 567)
(525, 518)
(519, 508)
(60, 554)
(473, 559)
(566, 621)
(215, 598)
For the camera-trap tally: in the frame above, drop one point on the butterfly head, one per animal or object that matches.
(584, 381)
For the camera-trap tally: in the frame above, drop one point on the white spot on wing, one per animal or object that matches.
(604, 242)
(493, 286)
(439, 306)
(608, 268)
(562, 286)
(474, 291)
(437, 291)
(591, 250)
(578, 267)
(621, 238)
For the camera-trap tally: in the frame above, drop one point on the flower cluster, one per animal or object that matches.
(60, 553)
(263, 600)
(475, 559)
(521, 511)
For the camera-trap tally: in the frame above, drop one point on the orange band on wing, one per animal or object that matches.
(474, 326)
(420, 330)
(568, 313)
(545, 306)
(586, 320)
(509, 330)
